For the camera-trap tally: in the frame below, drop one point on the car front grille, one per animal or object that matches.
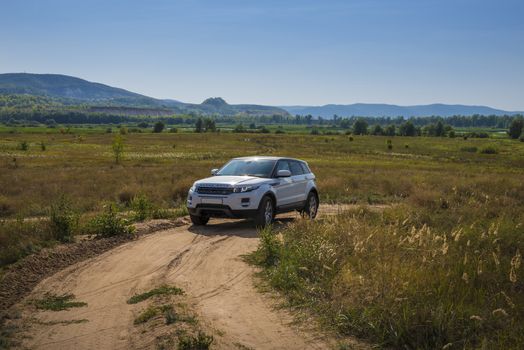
(214, 190)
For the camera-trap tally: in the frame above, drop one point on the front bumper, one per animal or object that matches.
(234, 205)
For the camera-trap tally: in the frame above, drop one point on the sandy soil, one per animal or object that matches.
(205, 261)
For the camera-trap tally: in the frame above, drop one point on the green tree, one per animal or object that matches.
(118, 148)
(439, 129)
(158, 127)
(360, 127)
(407, 129)
(390, 130)
(377, 130)
(516, 128)
(209, 125)
(199, 125)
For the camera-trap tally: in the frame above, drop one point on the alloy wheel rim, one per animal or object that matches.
(268, 212)
(312, 206)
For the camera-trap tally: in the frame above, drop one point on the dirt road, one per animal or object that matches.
(205, 261)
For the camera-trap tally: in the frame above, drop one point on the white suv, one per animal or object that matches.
(254, 187)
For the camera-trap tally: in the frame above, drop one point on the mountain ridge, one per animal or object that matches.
(73, 89)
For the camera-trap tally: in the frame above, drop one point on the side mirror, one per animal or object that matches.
(283, 173)
(214, 172)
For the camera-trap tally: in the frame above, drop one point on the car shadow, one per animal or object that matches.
(231, 227)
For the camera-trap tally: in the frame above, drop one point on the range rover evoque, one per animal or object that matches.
(256, 188)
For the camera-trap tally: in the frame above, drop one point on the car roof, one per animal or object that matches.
(268, 158)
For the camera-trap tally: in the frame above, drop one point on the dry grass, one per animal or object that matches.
(410, 277)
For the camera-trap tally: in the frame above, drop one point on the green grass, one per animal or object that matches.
(55, 302)
(162, 290)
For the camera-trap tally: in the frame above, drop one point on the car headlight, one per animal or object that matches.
(243, 189)
(193, 188)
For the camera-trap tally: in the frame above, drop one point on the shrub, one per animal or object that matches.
(142, 207)
(200, 342)
(489, 150)
(118, 148)
(315, 131)
(126, 197)
(158, 127)
(123, 130)
(173, 130)
(23, 146)
(63, 220)
(109, 224)
(351, 139)
(42, 146)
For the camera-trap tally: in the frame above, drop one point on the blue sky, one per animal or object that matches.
(277, 52)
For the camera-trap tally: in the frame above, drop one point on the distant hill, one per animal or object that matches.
(386, 110)
(70, 90)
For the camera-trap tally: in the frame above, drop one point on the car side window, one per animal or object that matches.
(296, 169)
(305, 168)
(282, 165)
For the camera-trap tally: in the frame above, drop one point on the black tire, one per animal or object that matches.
(265, 213)
(311, 208)
(199, 220)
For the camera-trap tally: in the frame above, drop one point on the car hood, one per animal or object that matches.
(231, 180)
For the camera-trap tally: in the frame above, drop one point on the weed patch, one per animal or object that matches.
(57, 302)
(162, 290)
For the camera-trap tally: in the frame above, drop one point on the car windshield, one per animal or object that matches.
(248, 167)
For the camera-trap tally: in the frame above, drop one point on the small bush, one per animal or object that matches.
(489, 150)
(23, 146)
(280, 131)
(63, 220)
(42, 146)
(315, 131)
(146, 315)
(142, 207)
(109, 224)
(173, 130)
(351, 139)
(201, 342)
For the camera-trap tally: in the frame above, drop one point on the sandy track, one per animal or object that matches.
(205, 261)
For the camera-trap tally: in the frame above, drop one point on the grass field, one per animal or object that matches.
(440, 186)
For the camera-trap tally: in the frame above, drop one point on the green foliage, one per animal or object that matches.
(23, 146)
(42, 146)
(118, 148)
(109, 224)
(470, 149)
(158, 127)
(146, 315)
(63, 220)
(200, 342)
(516, 128)
(123, 130)
(55, 302)
(162, 290)
(315, 131)
(239, 128)
(360, 127)
(377, 130)
(142, 207)
(407, 129)
(489, 150)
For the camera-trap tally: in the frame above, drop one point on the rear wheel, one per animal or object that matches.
(266, 213)
(199, 220)
(311, 208)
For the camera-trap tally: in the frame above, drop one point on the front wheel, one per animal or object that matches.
(265, 213)
(199, 220)
(311, 207)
